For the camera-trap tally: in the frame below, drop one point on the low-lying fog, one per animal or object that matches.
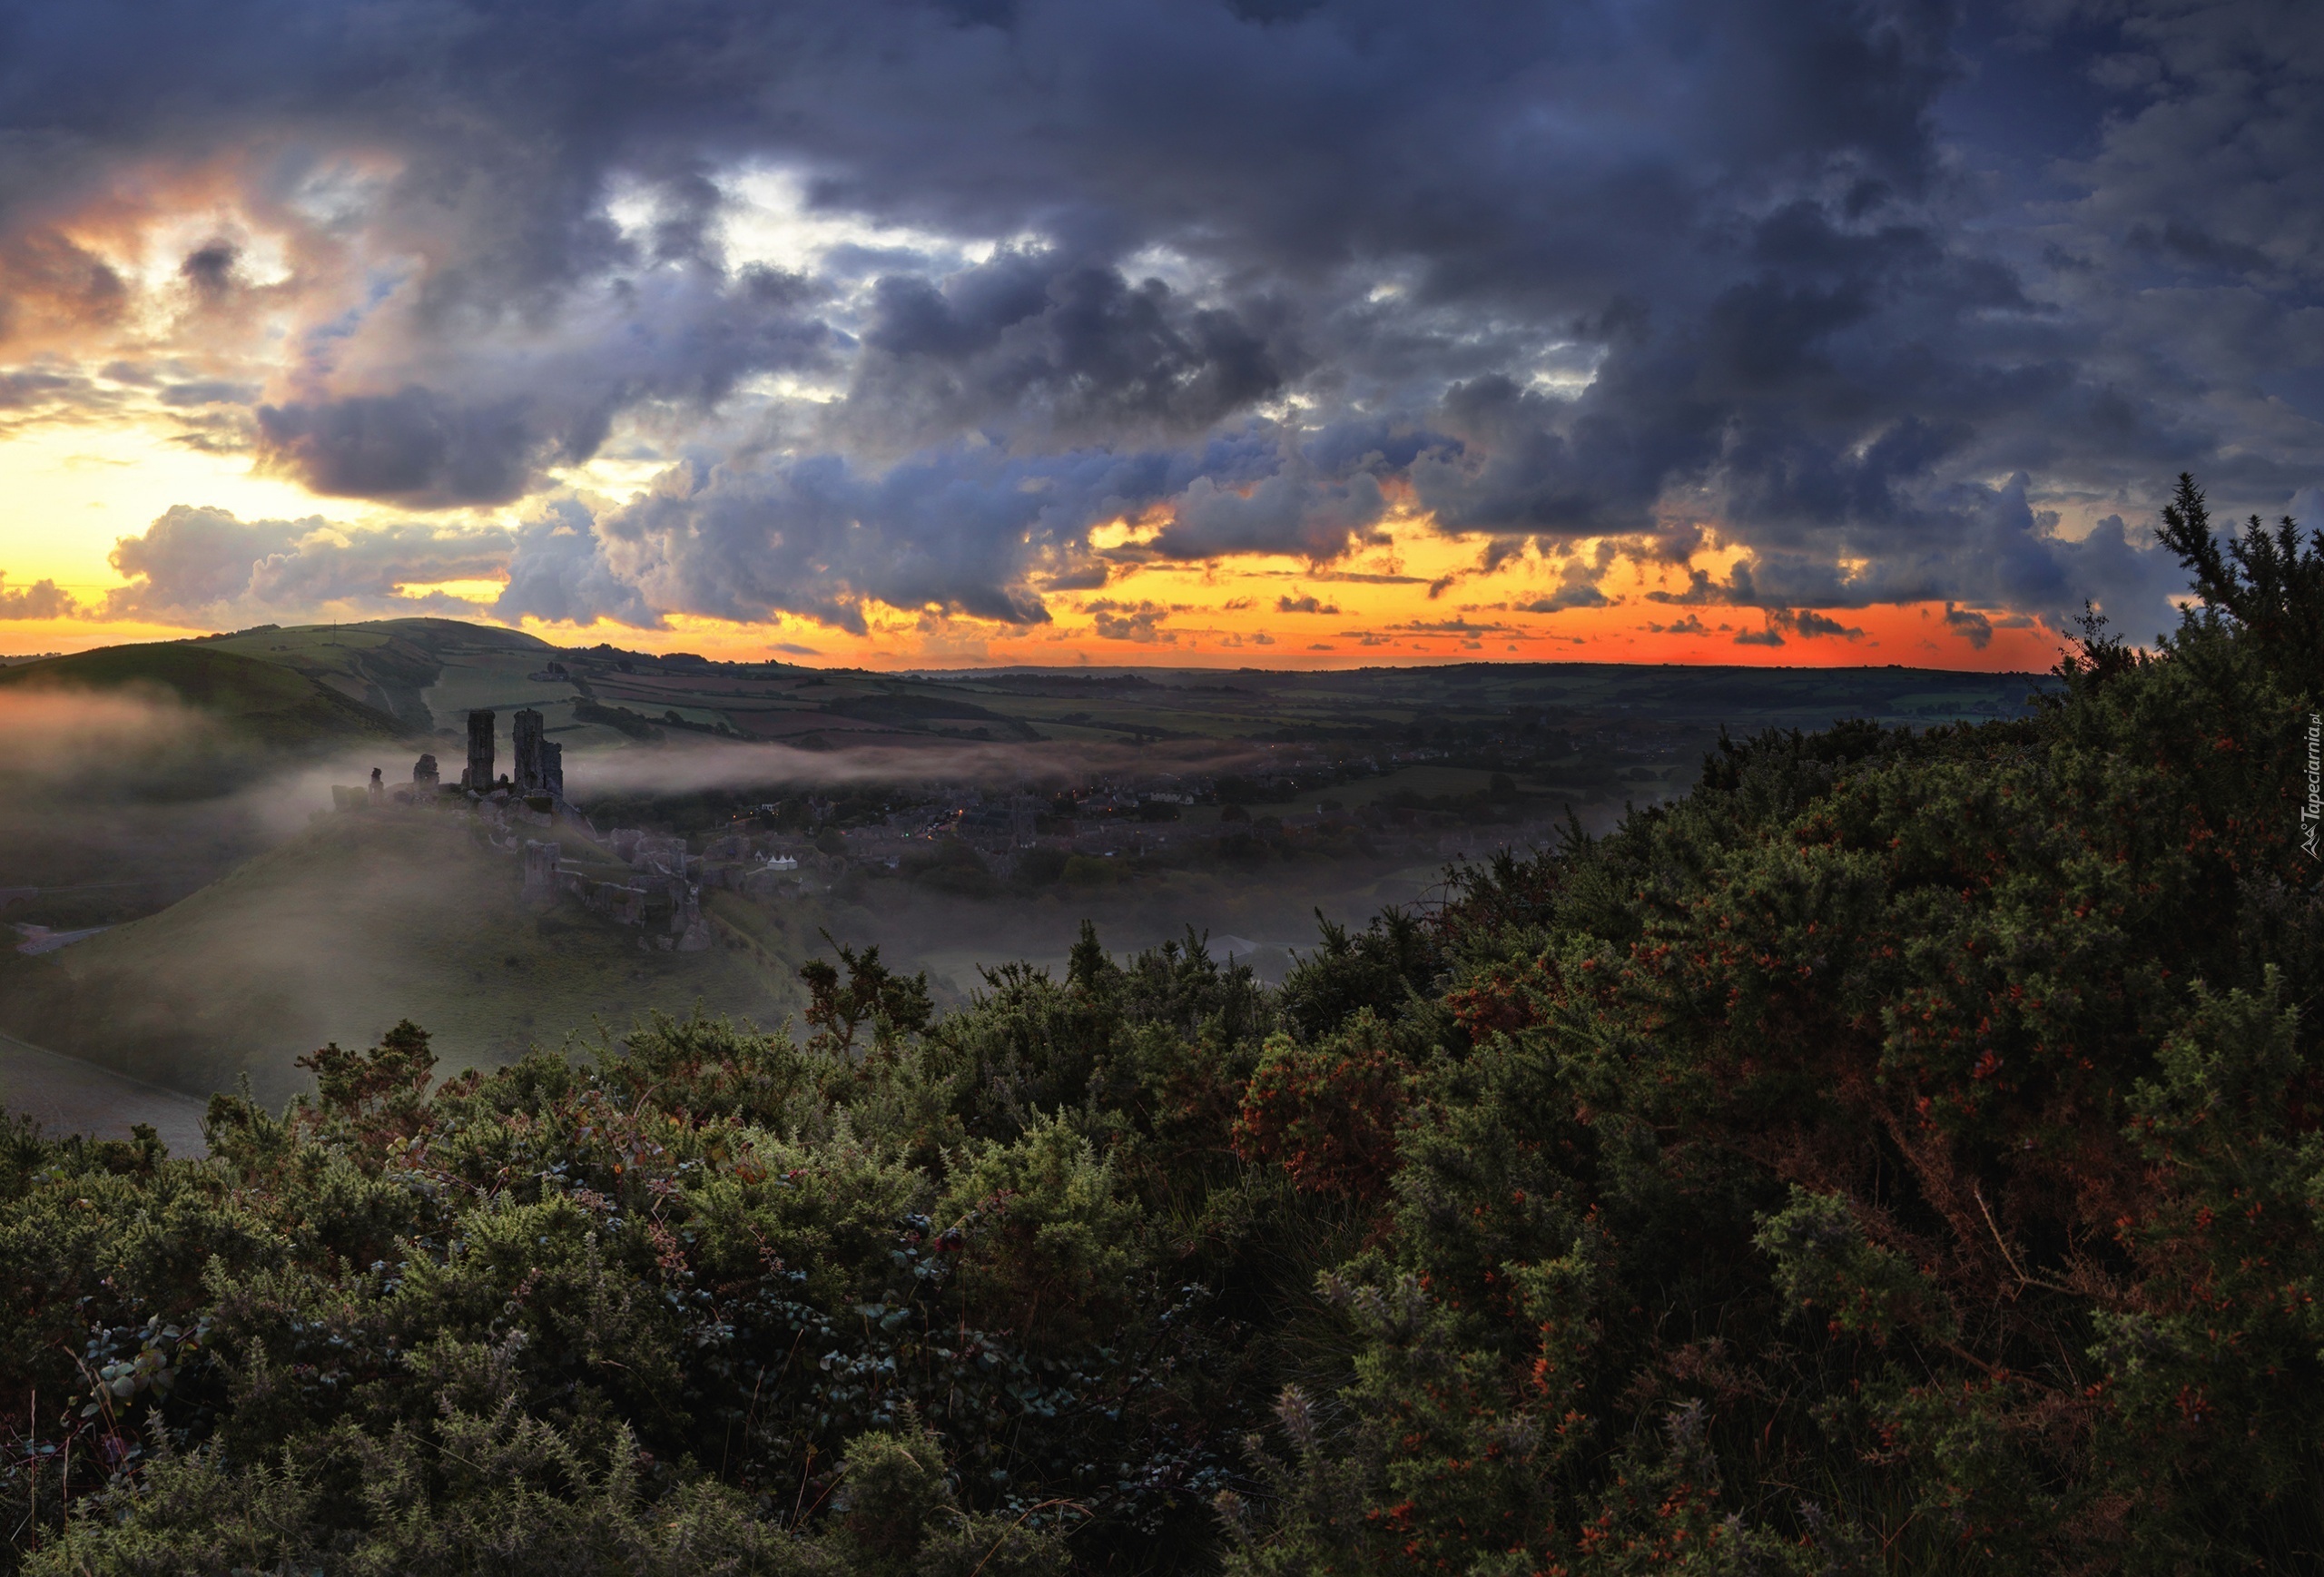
(250, 922)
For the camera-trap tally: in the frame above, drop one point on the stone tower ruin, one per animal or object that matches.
(478, 775)
(423, 772)
(529, 775)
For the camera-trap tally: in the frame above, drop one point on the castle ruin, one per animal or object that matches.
(527, 726)
(661, 872)
(478, 778)
(690, 931)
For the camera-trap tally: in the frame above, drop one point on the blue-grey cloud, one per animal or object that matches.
(1046, 349)
(524, 400)
(955, 531)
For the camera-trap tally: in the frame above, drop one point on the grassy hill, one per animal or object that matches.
(311, 683)
(337, 934)
(388, 664)
(264, 703)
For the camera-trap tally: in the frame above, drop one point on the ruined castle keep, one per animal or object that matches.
(540, 761)
(527, 726)
(499, 813)
(478, 775)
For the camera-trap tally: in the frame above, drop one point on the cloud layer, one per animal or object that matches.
(898, 303)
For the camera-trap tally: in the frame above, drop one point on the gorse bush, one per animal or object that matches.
(1903, 1154)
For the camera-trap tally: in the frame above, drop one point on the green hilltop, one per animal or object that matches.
(265, 703)
(309, 684)
(388, 664)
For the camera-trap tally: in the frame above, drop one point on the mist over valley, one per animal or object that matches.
(173, 812)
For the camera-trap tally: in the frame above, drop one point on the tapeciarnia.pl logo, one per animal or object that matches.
(2311, 815)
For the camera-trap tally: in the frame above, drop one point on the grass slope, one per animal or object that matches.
(263, 702)
(388, 664)
(356, 923)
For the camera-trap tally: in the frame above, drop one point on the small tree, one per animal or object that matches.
(2269, 582)
(894, 1005)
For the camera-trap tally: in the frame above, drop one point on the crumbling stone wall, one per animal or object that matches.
(540, 871)
(658, 852)
(619, 902)
(772, 879)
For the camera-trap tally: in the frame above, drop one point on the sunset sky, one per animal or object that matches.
(1265, 332)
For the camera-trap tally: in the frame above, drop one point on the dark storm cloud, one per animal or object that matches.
(416, 445)
(1058, 350)
(1292, 511)
(1973, 625)
(1986, 547)
(210, 268)
(1812, 275)
(1564, 598)
(951, 531)
(1809, 622)
(1119, 621)
(683, 336)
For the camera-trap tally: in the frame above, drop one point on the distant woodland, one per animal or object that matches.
(1901, 1153)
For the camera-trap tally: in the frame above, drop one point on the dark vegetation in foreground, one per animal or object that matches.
(1901, 1154)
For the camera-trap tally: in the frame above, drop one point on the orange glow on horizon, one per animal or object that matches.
(1412, 596)
(1404, 628)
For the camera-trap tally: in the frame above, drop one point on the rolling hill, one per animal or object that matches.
(264, 704)
(390, 665)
